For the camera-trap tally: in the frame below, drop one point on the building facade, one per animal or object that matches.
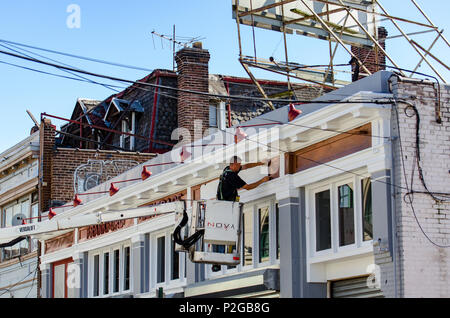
(19, 196)
(332, 221)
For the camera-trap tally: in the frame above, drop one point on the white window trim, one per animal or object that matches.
(101, 252)
(258, 206)
(336, 251)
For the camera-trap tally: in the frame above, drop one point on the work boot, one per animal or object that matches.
(216, 268)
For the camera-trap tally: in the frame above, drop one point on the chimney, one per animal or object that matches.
(193, 74)
(368, 56)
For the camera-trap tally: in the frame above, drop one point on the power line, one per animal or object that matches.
(186, 90)
(80, 57)
(407, 186)
(51, 74)
(72, 73)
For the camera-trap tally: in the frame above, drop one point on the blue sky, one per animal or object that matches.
(120, 31)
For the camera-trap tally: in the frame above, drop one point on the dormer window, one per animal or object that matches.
(125, 112)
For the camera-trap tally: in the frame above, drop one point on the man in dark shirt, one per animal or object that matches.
(230, 182)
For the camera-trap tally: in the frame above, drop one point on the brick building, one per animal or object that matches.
(152, 111)
(338, 193)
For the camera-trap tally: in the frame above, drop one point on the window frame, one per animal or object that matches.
(336, 251)
(101, 275)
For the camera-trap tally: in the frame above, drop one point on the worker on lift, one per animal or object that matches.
(229, 184)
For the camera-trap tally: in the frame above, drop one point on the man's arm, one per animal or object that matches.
(256, 184)
(252, 165)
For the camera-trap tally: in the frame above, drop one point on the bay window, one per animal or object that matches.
(340, 214)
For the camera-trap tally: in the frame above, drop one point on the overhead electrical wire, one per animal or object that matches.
(269, 146)
(185, 90)
(383, 101)
(50, 59)
(80, 57)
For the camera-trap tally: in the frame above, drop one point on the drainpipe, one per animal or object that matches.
(393, 200)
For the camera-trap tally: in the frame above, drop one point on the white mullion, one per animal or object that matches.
(334, 217)
(358, 211)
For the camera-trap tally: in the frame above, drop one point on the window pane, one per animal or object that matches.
(116, 271)
(34, 213)
(59, 283)
(175, 262)
(7, 218)
(366, 189)
(71, 291)
(126, 268)
(346, 215)
(96, 275)
(323, 221)
(106, 273)
(248, 238)
(161, 259)
(263, 217)
(212, 116)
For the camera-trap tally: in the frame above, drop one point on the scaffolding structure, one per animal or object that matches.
(341, 23)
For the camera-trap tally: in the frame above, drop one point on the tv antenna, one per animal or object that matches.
(176, 41)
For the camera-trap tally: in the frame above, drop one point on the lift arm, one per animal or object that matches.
(15, 234)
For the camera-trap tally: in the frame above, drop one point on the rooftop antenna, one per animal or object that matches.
(182, 41)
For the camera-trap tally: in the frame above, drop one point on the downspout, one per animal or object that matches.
(393, 200)
(155, 104)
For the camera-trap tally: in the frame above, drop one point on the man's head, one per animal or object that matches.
(235, 163)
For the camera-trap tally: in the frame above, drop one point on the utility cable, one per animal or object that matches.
(407, 186)
(225, 97)
(69, 72)
(79, 57)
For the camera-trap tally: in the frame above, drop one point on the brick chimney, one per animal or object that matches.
(46, 143)
(368, 56)
(193, 74)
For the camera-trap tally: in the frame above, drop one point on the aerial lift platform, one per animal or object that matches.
(199, 226)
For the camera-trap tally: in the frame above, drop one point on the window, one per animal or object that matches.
(323, 220)
(60, 274)
(126, 268)
(128, 126)
(264, 247)
(341, 215)
(213, 122)
(110, 271)
(346, 215)
(20, 207)
(96, 273)
(160, 259)
(116, 271)
(248, 238)
(106, 274)
(125, 139)
(366, 195)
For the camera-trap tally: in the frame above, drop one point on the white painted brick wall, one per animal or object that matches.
(423, 267)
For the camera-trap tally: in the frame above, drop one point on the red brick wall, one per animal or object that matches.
(193, 75)
(58, 166)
